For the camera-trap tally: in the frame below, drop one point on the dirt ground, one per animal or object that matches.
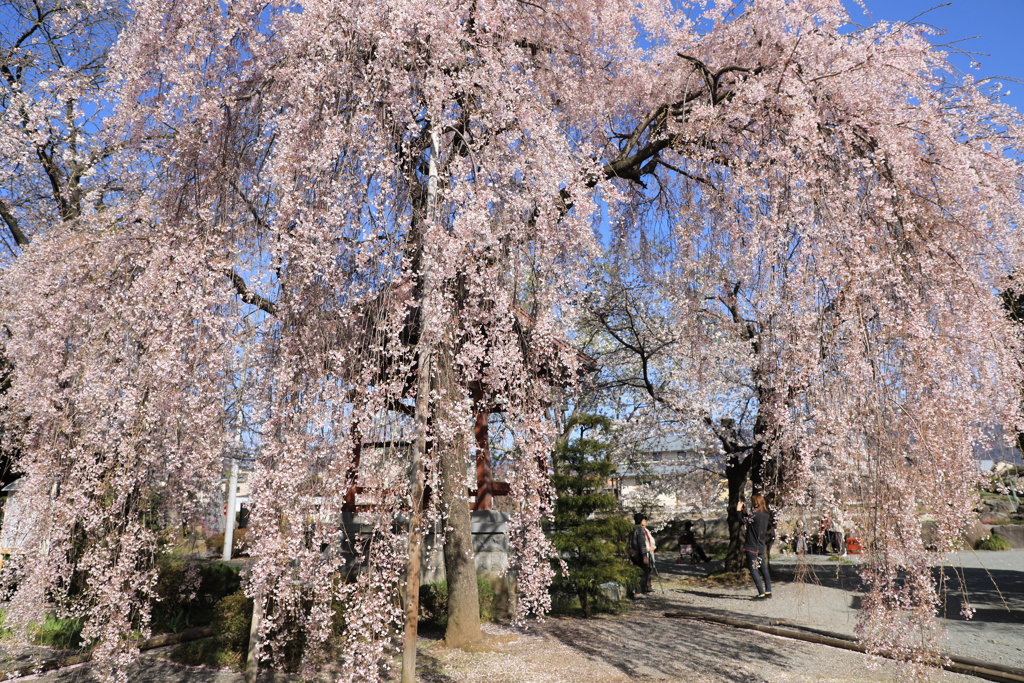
(645, 645)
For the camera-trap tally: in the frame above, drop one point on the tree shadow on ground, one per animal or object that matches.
(841, 576)
(429, 669)
(153, 670)
(997, 595)
(649, 645)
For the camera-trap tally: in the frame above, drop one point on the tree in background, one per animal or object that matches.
(53, 163)
(692, 367)
(587, 530)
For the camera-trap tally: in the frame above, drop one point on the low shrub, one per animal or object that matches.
(187, 592)
(231, 620)
(434, 601)
(239, 545)
(232, 617)
(208, 652)
(993, 542)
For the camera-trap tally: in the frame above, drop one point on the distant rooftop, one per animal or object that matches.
(669, 444)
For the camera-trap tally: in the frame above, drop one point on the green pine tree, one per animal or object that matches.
(587, 530)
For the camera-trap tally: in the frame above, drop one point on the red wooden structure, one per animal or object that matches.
(486, 487)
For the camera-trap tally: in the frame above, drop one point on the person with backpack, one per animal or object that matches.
(755, 544)
(640, 549)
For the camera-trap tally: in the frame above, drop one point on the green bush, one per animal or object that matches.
(231, 620)
(176, 608)
(232, 617)
(434, 601)
(993, 542)
(65, 634)
(486, 597)
(588, 530)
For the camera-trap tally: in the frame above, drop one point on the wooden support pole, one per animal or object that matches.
(484, 479)
(251, 661)
(412, 580)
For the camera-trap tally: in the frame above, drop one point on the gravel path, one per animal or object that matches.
(827, 598)
(644, 645)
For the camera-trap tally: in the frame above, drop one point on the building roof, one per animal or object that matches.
(668, 444)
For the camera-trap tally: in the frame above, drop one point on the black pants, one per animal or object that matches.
(758, 571)
(837, 540)
(645, 576)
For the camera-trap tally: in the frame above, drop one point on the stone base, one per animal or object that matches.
(490, 549)
(974, 533)
(490, 545)
(1014, 533)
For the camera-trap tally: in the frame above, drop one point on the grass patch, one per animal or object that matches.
(993, 542)
(64, 634)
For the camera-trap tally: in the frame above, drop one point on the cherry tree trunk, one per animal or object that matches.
(460, 566)
(736, 471)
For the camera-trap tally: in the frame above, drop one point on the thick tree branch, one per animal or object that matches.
(250, 297)
(12, 224)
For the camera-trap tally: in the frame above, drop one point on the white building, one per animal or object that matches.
(673, 475)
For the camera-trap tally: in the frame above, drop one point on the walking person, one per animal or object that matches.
(640, 549)
(824, 532)
(800, 538)
(755, 545)
(837, 532)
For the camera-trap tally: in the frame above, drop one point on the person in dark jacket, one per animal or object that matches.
(688, 544)
(755, 544)
(640, 549)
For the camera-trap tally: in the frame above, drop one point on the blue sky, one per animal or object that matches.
(998, 25)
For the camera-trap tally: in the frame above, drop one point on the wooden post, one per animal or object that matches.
(251, 663)
(412, 581)
(484, 483)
